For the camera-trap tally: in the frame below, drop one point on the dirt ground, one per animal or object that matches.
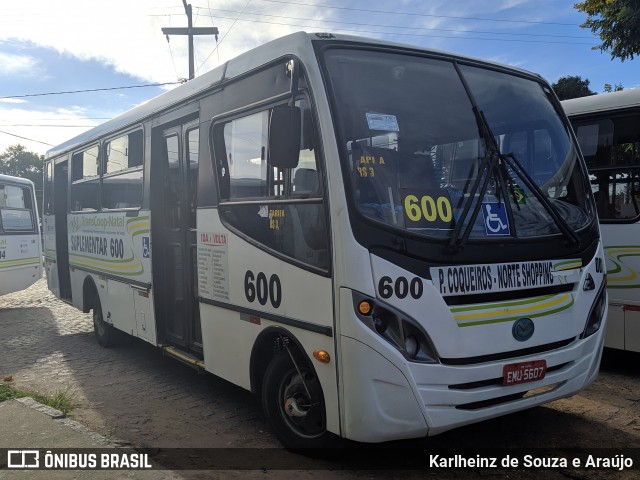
(133, 394)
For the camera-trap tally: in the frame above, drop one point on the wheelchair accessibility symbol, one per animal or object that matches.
(495, 218)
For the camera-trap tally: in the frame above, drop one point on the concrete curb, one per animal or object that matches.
(55, 414)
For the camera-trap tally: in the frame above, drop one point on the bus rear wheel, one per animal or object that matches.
(106, 334)
(294, 404)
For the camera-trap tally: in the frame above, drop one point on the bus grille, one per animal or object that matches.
(506, 355)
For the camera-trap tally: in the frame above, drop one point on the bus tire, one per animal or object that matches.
(106, 334)
(297, 420)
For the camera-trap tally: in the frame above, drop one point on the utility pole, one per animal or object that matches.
(190, 31)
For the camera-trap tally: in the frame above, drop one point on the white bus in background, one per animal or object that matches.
(608, 130)
(382, 241)
(20, 242)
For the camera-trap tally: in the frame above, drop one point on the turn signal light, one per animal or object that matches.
(364, 308)
(322, 356)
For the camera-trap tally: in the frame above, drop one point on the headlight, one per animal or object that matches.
(596, 315)
(404, 333)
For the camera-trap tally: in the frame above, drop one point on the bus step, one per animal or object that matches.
(184, 357)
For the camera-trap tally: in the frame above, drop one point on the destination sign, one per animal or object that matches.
(501, 277)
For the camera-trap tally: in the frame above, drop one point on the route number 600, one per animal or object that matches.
(428, 208)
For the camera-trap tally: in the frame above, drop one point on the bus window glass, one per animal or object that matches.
(123, 190)
(16, 208)
(193, 142)
(246, 144)
(415, 149)
(124, 152)
(611, 147)
(86, 184)
(122, 187)
(173, 186)
(296, 225)
(48, 188)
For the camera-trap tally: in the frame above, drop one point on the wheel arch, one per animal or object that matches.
(90, 295)
(266, 347)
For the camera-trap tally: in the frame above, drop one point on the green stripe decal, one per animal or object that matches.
(484, 314)
(20, 262)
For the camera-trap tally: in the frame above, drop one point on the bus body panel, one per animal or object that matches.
(20, 242)
(50, 253)
(20, 262)
(622, 254)
(607, 127)
(392, 410)
(252, 291)
(113, 249)
(443, 395)
(476, 327)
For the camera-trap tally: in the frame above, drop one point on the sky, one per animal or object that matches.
(50, 47)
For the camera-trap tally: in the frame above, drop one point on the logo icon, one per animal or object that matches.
(495, 218)
(23, 458)
(522, 329)
(146, 247)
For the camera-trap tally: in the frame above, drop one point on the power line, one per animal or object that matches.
(406, 34)
(25, 138)
(401, 26)
(227, 33)
(414, 14)
(63, 119)
(43, 125)
(89, 90)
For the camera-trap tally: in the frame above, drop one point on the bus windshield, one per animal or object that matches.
(430, 144)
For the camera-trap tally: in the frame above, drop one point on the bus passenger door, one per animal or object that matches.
(175, 272)
(60, 189)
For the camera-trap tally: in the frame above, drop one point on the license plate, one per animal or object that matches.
(516, 373)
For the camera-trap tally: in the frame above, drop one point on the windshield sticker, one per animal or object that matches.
(517, 196)
(276, 215)
(495, 219)
(427, 208)
(263, 211)
(379, 121)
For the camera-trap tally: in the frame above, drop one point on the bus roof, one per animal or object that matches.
(16, 180)
(602, 102)
(298, 44)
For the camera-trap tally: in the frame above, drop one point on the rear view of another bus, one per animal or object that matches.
(608, 131)
(20, 245)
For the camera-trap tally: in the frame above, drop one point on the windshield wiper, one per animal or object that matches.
(495, 165)
(492, 166)
(513, 162)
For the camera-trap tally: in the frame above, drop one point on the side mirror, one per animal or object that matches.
(284, 136)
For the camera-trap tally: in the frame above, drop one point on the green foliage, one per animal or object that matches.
(7, 392)
(616, 88)
(60, 400)
(616, 22)
(19, 162)
(572, 87)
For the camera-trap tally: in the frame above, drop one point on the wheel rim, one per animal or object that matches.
(302, 407)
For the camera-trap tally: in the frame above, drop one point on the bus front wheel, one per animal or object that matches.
(105, 333)
(293, 403)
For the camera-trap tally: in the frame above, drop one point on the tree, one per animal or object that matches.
(572, 87)
(19, 162)
(616, 22)
(615, 88)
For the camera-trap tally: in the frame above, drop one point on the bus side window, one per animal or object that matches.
(122, 179)
(85, 184)
(16, 209)
(295, 226)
